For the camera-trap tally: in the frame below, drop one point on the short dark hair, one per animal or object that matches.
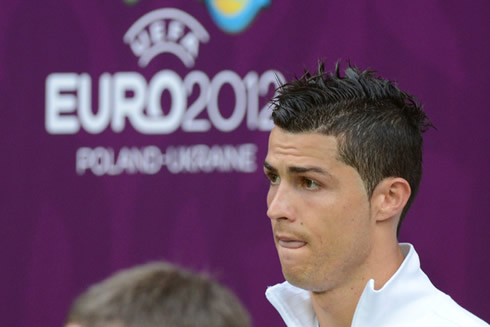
(378, 127)
(158, 295)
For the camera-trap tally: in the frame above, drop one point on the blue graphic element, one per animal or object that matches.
(233, 16)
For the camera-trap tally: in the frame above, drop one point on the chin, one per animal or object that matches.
(295, 278)
(303, 284)
(304, 280)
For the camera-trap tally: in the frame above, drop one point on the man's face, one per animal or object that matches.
(319, 210)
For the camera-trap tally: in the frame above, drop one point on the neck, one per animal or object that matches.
(336, 307)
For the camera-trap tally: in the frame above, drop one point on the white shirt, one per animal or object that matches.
(408, 298)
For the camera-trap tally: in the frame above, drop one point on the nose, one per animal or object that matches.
(279, 203)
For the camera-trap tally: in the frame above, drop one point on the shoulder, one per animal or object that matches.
(420, 303)
(440, 310)
(450, 313)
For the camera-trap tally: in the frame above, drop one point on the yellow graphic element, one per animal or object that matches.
(230, 7)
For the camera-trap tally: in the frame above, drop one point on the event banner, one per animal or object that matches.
(136, 130)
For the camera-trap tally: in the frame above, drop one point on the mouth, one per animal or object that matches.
(289, 242)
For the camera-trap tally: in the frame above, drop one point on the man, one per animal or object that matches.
(157, 295)
(344, 164)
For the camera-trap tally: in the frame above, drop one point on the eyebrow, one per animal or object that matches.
(297, 170)
(269, 167)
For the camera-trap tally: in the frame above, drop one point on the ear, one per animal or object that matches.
(389, 198)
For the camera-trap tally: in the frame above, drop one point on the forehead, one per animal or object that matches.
(301, 148)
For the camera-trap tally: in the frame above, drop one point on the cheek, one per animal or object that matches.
(355, 231)
(340, 223)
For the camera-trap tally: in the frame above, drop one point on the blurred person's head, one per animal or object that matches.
(157, 295)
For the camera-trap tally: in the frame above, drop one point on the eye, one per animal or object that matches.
(310, 184)
(273, 178)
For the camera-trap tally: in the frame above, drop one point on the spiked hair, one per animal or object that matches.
(378, 127)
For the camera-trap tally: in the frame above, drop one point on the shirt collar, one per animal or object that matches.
(294, 304)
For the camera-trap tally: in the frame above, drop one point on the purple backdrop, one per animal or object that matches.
(88, 192)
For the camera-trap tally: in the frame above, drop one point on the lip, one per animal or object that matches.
(289, 242)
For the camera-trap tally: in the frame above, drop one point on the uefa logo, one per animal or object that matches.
(167, 30)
